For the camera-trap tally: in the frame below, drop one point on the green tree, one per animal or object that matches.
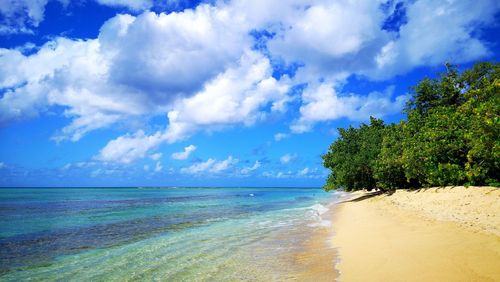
(434, 150)
(388, 169)
(452, 133)
(451, 136)
(482, 109)
(352, 157)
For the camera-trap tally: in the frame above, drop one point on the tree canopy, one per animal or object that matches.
(451, 136)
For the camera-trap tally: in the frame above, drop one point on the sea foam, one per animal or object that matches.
(318, 210)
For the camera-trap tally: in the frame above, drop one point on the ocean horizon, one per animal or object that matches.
(156, 233)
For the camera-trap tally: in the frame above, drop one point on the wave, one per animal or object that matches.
(318, 210)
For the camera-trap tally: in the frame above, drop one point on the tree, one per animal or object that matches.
(451, 137)
(352, 157)
(452, 133)
(388, 169)
(482, 108)
(434, 150)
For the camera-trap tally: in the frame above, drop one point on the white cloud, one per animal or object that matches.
(105, 80)
(326, 40)
(330, 44)
(279, 174)
(436, 32)
(199, 66)
(146, 167)
(23, 16)
(68, 73)
(247, 170)
(282, 175)
(198, 167)
(155, 156)
(96, 172)
(19, 16)
(128, 148)
(236, 96)
(287, 158)
(210, 165)
(223, 165)
(179, 51)
(66, 166)
(184, 154)
(303, 172)
(158, 167)
(323, 103)
(135, 5)
(320, 35)
(280, 136)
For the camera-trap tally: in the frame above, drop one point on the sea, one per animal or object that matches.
(157, 233)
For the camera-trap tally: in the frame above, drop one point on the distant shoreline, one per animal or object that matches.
(435, 234)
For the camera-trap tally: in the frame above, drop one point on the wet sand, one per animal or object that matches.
(317, 261)
(426, 235)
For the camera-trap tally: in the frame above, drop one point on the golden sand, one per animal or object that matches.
(476, 208)
(443, 234)
(317, 261)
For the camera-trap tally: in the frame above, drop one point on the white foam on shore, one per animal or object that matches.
(321, 223)
(318, 210)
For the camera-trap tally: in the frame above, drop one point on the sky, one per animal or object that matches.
(213, 93)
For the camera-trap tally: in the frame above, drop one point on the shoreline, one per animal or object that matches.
(436, 234)
(318, 257)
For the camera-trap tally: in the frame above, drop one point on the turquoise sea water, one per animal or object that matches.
(175, 234)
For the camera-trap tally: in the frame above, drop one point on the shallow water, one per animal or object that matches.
(177, 234)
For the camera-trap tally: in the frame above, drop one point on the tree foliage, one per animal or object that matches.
(352, 157)
(451, 136)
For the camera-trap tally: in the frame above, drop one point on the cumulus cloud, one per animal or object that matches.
(105, 80)
(128, 148)
(287, 158)
(158, 167)
(201, 67)
(279, 174)
(327, 41)
(135, 5)
(20, 16)
(330, 45)
(68, 73)
(436, 32)
(184, 154)
(249, 169)
(198, 167)
(223, 165)
(303, 172)
(211, 165)
(179, 51)
(323, 102)
(280, 136)
(140, 5)
(24, 16)
(237, 96)
(156, 156)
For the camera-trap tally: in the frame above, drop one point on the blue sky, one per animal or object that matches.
(212, 93)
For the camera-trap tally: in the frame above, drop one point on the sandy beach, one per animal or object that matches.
(437, 234)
